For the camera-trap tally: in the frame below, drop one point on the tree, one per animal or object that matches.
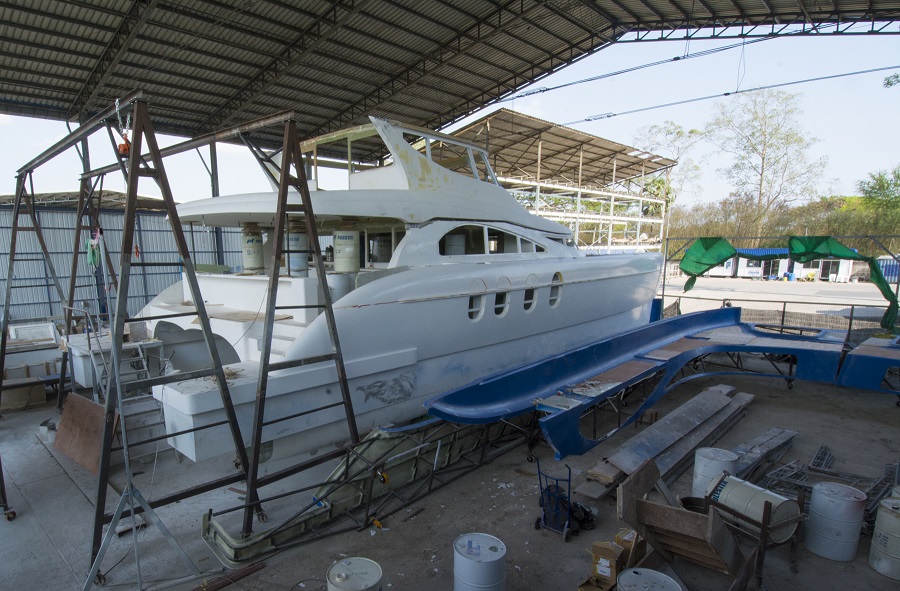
(881, 199)
(770, 164)
(672, 141)
(892, 80)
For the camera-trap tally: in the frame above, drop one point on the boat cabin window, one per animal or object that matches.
(463, 240)
(471, 240)
(555, 289)
(476, 307)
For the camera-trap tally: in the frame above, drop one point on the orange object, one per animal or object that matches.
(125, 147)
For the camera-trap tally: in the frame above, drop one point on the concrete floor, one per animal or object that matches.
(47, 546)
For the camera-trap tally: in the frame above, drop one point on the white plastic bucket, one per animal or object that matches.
(835, 518)
(884, 554)
(346, 251)
(709, 463)
(479, 563)
(645, 579)
(354, 574)
(749, 500)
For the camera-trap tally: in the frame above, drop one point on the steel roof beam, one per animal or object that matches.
(512, 10)
(320, 31)
(137, 15)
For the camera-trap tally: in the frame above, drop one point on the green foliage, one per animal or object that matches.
(770, 165)
(892, 80)
(675, 142)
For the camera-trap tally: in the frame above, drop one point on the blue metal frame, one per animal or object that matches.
(818, 358)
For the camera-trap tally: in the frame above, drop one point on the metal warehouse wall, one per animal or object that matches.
(34, 296)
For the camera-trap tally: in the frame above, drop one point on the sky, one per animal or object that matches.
(855, 119)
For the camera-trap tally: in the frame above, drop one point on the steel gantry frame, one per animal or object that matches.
(135, 165)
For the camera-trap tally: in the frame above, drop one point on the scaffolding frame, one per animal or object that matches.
(134, 164)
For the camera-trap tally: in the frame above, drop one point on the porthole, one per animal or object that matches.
(501, 303)
(476, 307)
(555, 290)
(529, 299)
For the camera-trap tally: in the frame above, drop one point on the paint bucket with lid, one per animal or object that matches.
(645, 579)
(354, 574)
(835, 518)
(750, 500)
(884, 554)
(479, 563)
(709, 463)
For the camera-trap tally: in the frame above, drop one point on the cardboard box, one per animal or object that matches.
(589, 586)
(635, 546)
(609, 560)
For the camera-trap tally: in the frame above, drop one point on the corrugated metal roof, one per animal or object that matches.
(207, 64)
(762, 252)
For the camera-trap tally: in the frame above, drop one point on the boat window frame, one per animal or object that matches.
(556, 289)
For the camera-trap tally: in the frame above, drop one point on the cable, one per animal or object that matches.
(686, 56)
(712, 96)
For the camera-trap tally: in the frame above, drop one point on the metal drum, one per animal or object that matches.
(645, 579)
(354, 574)
(884, 555)
(835, 518)
(749, 500)
(479, 563)
(709, 463)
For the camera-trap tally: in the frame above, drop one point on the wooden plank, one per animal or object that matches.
(665, 432)
(79, 436)
(593, 490)
(675, 519)
(680, 455)
(722, 539)
(633, 488)
(624, 371)
(605, 473)
(752, 453)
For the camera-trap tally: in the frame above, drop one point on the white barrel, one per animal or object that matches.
(835, 518)
(884, 554)
(709, 463)
(252, 249)
(338, 284)
(479, 563)
(749, 500)
(298, 263)
(645, 579)
(354, 574)
(346, 251)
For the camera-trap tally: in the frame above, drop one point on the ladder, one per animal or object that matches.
(291, 156)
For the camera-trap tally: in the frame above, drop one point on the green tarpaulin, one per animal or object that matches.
(706, 253)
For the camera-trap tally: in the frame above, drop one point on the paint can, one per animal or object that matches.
(354, 574)
(645, 579)
(835, 518)
(479, 563)
(750, 500)
(709, 463)
(346, 251)
(884, 554)
(339, 284)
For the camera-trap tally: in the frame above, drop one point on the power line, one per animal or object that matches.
(686, 56)
(712, 96)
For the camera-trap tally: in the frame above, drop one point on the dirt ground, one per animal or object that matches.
(501, 499)
(48, 543)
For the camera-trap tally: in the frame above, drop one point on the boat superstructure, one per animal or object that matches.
(439, 278)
